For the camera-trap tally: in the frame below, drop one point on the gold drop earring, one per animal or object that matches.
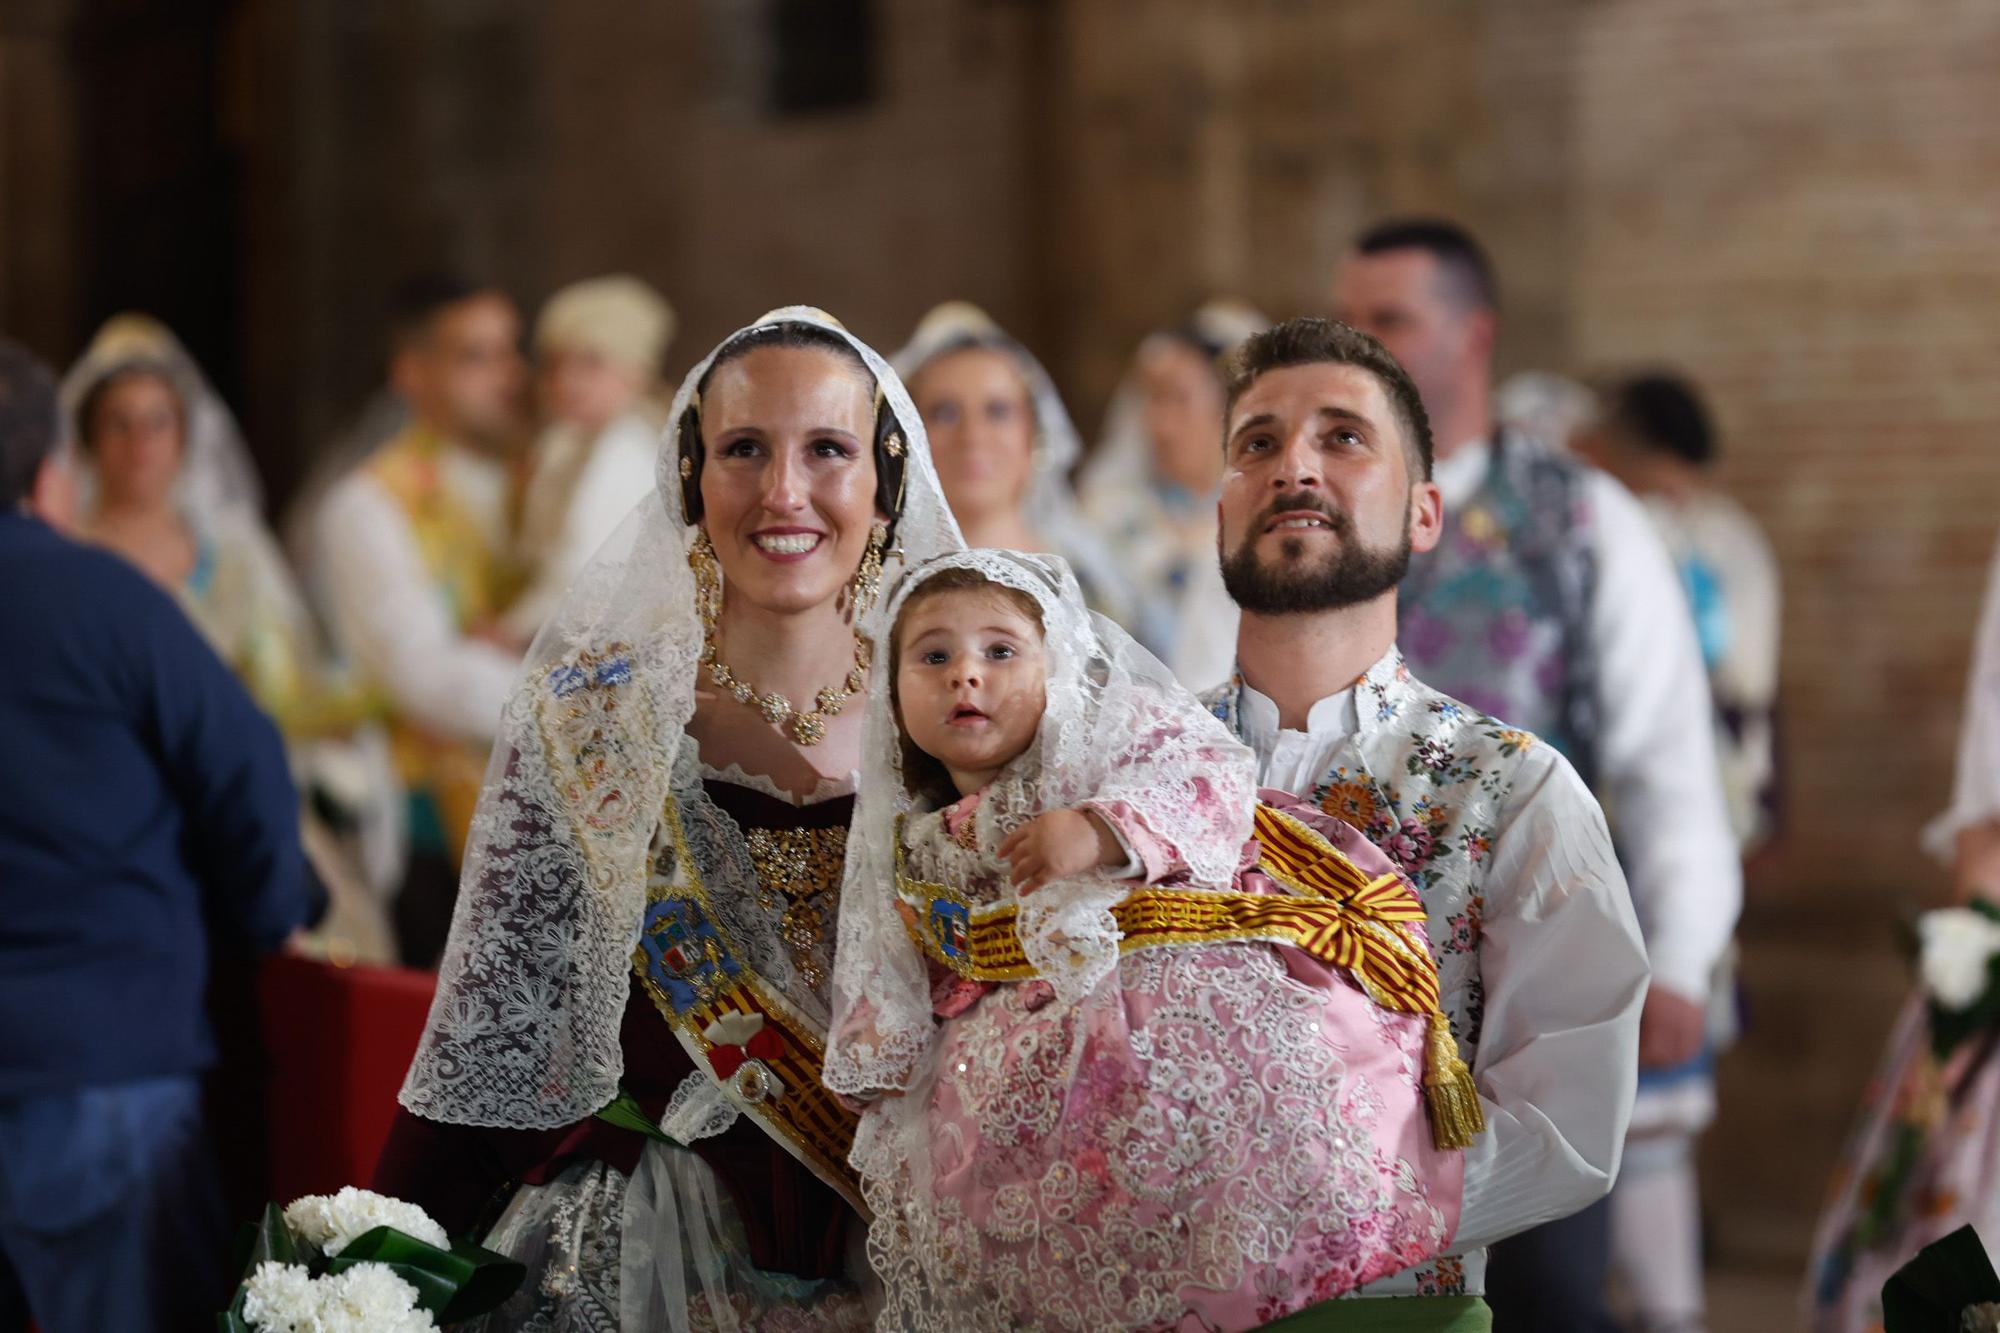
(867, 584)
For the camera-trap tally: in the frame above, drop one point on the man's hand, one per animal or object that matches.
(1671, 1029)
(1057, 845)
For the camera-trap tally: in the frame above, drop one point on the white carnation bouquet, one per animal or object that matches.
(360, 1262)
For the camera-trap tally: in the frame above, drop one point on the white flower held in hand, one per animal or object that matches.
(333, 1222)
(1954, 947)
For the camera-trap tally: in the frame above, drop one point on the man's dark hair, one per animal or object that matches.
(418, 299)
(28, 424)
(1312, 342)
(1461, 260)
(1662, 412)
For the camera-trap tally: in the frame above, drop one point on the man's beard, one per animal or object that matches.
(1296, 584)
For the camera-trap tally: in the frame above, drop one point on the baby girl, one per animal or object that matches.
(1143, 1069)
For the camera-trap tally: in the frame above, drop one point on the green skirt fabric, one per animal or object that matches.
(1391, 1314)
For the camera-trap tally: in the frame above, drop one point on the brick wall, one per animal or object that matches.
(1798, 202)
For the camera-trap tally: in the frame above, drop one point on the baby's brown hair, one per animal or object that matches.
(923, 776)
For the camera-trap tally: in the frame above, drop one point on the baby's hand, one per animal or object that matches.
(1057, 845)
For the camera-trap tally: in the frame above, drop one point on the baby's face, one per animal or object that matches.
(971, 682)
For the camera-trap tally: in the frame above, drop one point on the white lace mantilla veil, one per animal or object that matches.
(1122, 462)
(216, 490)
(217, 477)
(1118, 728)
(524, 1031)
(1051, 501)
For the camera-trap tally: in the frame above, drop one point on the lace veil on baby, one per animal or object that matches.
(1118, 728)
(524, 1031)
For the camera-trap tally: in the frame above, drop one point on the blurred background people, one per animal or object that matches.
(164, 480)
(1149, 488)
(1924, 1158)
(1550, 604)
(1654, 434)
(1544, 408)
(416, 547)
(147, 818)
(1004, 447)
(598, 347)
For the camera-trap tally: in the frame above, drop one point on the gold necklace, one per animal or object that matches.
(808, 728)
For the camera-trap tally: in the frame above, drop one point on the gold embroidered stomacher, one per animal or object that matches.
(1332, 911)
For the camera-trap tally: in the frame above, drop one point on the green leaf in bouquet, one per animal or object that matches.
(461, 1283)
(1933, 1289)
(1952, 1028)
(267, 1240)
(626, 1113)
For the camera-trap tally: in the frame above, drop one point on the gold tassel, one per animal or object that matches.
(1453, 1101)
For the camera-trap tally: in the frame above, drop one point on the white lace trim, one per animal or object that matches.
(829, 789)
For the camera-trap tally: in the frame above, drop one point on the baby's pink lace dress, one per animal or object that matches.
(1217, 1135)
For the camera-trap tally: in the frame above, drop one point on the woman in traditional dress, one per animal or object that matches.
(166, 482)
(1925, 1158)
(1005, 446)
(1150, 486)
(646, 924)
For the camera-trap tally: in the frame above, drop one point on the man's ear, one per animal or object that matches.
(406, 372)
(1482, 335)
(1426, 516)
(52, 494)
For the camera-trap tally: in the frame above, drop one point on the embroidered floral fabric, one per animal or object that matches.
(664, 1251)
(1497, 836)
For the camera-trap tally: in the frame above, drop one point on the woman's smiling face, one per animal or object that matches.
(788, 476)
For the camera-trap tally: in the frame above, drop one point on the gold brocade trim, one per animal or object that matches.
(1333, 911)
(454, 547)
(805, 1118)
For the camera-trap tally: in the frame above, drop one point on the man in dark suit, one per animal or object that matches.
(146, 816)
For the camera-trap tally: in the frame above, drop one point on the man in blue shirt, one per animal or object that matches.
(146, 816)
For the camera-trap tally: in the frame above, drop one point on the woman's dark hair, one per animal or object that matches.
(1663, 413)
(88, 407)
(923, 776)
(889, 462)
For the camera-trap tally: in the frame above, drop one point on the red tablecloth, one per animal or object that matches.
(340, 1040)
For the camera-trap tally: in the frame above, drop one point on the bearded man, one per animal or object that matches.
(1326, 495)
